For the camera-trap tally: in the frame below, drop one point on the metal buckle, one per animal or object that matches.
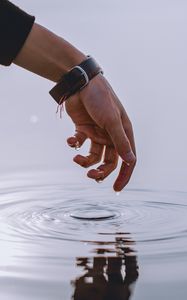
(84, 74)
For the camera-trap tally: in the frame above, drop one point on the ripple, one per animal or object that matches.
(96, 214)
(155, 219)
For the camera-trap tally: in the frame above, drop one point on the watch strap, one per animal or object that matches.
(75, 80)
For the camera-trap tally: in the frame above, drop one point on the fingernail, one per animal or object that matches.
(100, 175)
(100, 172)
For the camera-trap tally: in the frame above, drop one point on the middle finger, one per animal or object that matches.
(95, 155)
(110, 164)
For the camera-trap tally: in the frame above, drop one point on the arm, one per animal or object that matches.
(47, 54)
(96, 111)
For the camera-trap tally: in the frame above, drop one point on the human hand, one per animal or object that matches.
(99, 115)
(96, 111)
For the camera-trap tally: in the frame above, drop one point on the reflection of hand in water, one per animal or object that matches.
(93, 283)
(107, 277)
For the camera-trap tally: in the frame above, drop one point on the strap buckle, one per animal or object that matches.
(84, 74)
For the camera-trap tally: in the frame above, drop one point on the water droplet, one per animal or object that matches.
(77, 146)
(99, 180)
(117, 193)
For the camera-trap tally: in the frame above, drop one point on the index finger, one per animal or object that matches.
(129, 131)
(121, 141)
(124, 176)
(124, 149)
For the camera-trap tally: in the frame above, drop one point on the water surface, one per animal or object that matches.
(60, 241)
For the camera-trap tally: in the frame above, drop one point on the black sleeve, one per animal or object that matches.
(15, 25)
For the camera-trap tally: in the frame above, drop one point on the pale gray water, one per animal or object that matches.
(137, 237)
(63, 236)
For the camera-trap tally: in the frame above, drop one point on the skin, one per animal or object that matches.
(96, 110)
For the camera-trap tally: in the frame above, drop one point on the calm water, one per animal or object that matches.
(62, 241)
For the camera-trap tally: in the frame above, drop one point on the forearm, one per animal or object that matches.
(47, 54)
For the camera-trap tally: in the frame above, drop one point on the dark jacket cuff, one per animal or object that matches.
(15, 26)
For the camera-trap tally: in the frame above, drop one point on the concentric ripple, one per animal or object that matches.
(155, 220)
(93, 214)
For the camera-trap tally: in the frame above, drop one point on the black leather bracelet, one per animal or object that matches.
(75, 80)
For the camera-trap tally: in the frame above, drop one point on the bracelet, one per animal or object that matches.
(75, 80)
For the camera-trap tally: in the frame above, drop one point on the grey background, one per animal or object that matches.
(142, 48)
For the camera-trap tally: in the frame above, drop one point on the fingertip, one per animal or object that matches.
(80, 160)
(96, 174)
(77, 157)
(117, 187)
(71, 141)
(122, 179)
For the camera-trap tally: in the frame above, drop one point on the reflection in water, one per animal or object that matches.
(36, 224)
(108, 276)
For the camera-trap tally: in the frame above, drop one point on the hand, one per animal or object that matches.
(99, 115)
(96, 111)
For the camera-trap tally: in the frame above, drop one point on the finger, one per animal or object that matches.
(121, 141)
(110, 164)
(129, 131)
(95, 133)
(126, 170)
(124, 176)
(77, 140)
(125, 151)
(95, 155)
(96, 174)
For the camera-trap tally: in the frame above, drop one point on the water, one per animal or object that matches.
(60, 241)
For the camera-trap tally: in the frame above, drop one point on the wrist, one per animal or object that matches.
(75, 79)
(65, 63)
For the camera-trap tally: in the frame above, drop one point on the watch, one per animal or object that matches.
(75, 80)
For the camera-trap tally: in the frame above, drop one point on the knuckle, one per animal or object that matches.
(135, 161)
(131, 158)
(113, 165)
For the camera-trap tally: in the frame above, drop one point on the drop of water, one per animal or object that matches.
(77, 146)
(117, 193)
(99, 181)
